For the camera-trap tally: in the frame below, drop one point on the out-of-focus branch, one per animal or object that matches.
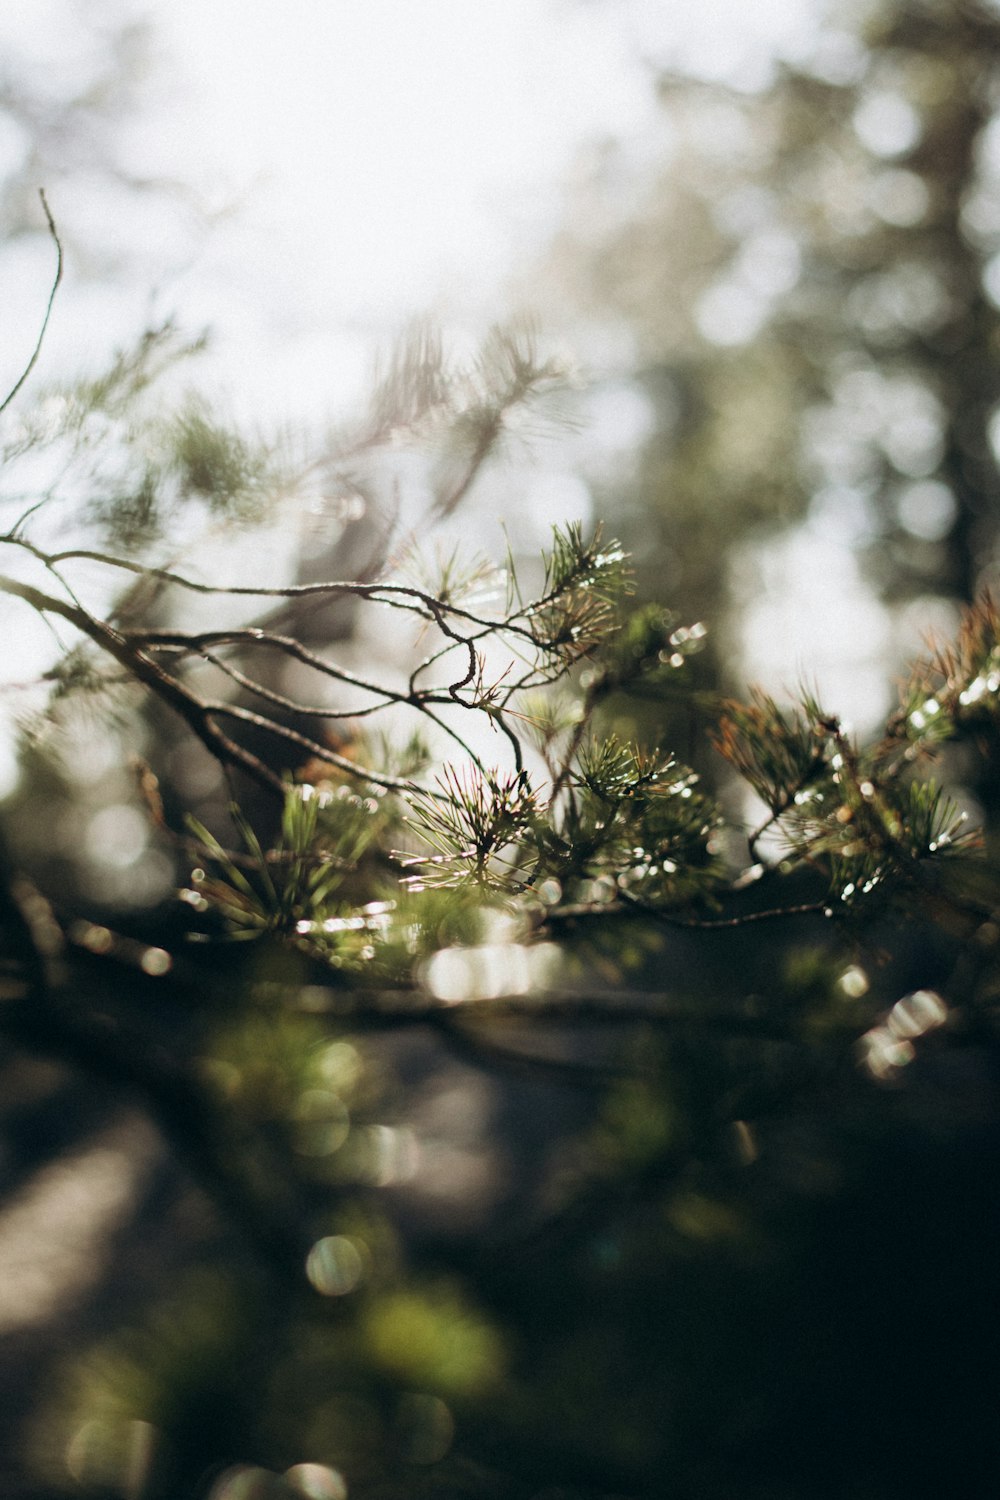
(55, 1004)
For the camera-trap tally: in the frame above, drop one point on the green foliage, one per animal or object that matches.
(583, 585)
(612, 824)
(297, 888)
(431, 1340)
(501, 908)
(218, 464)
(954, 691)
(470, 866)
(861, 816)
(128, 463)
(637, 820)
(475, 823)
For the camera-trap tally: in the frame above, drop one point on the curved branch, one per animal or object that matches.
(48, 310)
(396, 595)
(303, 710)
(400, 596)
(304, 742)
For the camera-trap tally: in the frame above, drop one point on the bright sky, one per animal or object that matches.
(379, 159)
(392, 157)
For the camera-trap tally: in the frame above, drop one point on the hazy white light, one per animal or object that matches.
(56, 71)
(988, 148)
(770, 262)
(727, 41)
(841, 515)
(142, 882)
(915, 1014)
(729, 313)
(883, 1055)
(15, 144)
(116, 836)
(553, 499)
(993, 433)
(854, 982)
(10, 771)
(489, 971)
(887, 1048)
(248, 1482)
(317, 1481)
(386, 157)
(927, 510)
(393, 145)
(394, 1153)
(838, 57)
(810, 618)
(899, 197)
(991, 279)
(54, 1230)
(155, 962)
(928, 617)
(618, 420)
(744, 208)
(913, 427)
(887, 124)
(481, 973)
(914, 443)
(92, 757)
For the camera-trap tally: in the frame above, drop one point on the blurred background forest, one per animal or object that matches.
(757, 263)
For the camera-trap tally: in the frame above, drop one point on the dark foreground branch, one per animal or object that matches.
(60, 1003)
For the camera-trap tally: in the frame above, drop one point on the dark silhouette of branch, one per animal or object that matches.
(55, 1005)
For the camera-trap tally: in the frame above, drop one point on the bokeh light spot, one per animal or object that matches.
(899, 197)
(394, 1152)
(854, 982)
(116, 836)
(730, 313)
(887, 124)
(335, 1265)
(116, 1453)
(340, 1065)
(156, 962)
(317, 1481)
(887, 1048)
(488, 971)
(927, 509)
(248, 1482)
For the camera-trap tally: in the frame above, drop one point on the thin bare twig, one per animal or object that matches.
(48, 310)
(803, 909)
